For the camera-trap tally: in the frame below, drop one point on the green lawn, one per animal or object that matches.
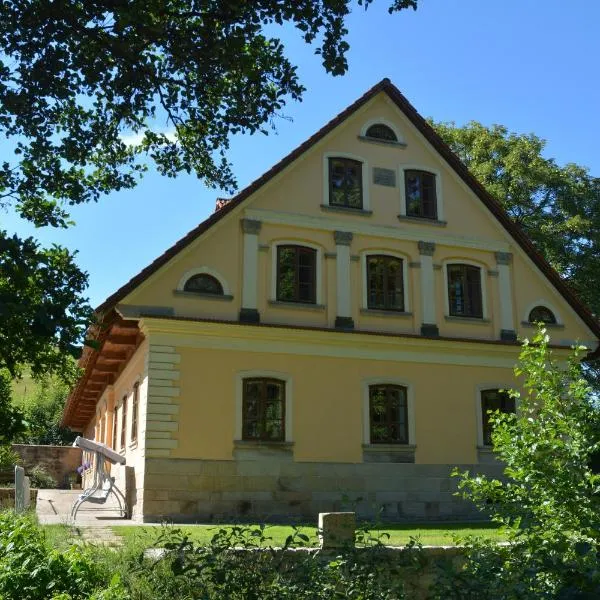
(391, 534)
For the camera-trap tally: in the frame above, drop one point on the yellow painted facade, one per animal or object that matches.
(197, 353)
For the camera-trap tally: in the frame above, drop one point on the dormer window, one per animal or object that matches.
(345, 183)
(542, 314)
(382, 132)
(421, 197)
(203, 283)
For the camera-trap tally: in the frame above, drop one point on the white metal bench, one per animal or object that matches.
(103, 485)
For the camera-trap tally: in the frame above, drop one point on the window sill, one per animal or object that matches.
(258, 450)
(262, 444)
(473, 320)
(486, 455)
(364, 138)
(346, 209)
(548, 325)
(225, 297)
(380, 312)
(422, 220)
(389, 453)
(300, 305)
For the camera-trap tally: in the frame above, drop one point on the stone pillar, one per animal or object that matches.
(249, 311)
(336, 530)
(343, 319)
(429, 326)
(507, 326)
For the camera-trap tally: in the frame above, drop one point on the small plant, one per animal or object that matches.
(41, 479)
(8, 458)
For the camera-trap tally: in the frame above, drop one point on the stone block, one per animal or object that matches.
(160, 408)
(157, 453)
(258, 484)
(162, 426)
(164, 357)
(158, 443)
(336, 530)
(160, 374)
(152, 416)
(169, 392)
(161, 349)
(251, 468)
(158, 435)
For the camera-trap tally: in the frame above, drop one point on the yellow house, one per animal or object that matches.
(334, 334)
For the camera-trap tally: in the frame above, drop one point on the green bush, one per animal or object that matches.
(8, 458)
(41, 479)
(30, 570)
(549, 503)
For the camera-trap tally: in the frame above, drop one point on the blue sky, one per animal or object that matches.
(531, 65)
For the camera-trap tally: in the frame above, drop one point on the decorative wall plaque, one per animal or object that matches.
(384, 177)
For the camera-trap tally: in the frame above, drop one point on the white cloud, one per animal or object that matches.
(134, 139)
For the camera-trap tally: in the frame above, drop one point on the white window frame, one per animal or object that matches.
(365, 284)
(204, 271)
(482, 387)
(410, 399)
(380, 120)
(438, 188)
(318, 274)
(239, 400)
(365, 178)
(547, 305)
(484, 297)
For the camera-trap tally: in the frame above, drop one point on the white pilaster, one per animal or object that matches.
(429, 325)
(343, 318)
(507, 328)
(249, 311)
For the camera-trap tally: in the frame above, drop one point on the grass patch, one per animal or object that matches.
(390, 534)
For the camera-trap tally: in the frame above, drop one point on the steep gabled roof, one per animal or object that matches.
(386, 86)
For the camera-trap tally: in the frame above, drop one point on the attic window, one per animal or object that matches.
(379, 131)
(543, 315)
(203, 284)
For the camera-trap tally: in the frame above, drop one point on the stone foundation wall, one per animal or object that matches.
(204, 490)
(59, 461)
(7, 498)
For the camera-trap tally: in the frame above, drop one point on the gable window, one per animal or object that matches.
(263, 409)
(420, 193)
(385, 282)
(379, 131)
(135, 411)
(203, 283)
(123, 422)
(388, 414)
(464, 291)
(345, 183)
(541, 314)
(491, 401)
(296, 274)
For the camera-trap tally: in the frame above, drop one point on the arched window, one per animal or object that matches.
(420, 191)
(345, 183)
(465, 298)
(263, 409)
(385, 282)
(491, 401)
(203, 283)
(541, 314)
(296, 274)
(379, 131)
(388, 414)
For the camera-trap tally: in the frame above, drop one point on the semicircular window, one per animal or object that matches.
(379, 131)
(541, 314)
(203, 284)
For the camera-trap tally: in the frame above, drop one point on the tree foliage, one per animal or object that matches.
(549, 501)
(181, 76)
(11, 418)
(558, 207)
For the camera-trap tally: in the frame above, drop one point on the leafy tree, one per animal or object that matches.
(76, 76)
(549, 502)
(11, 418)
(42, 411)
(558, 207)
